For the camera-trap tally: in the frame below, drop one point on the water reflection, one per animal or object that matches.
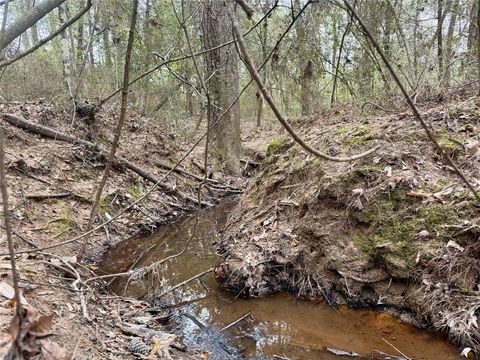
(279, 325)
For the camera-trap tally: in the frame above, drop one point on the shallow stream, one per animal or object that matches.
(277, 327)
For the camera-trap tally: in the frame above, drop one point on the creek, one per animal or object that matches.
(280, 325)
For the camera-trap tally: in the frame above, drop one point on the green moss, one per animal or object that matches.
(439, 185)
(277, 146)
(359, 173)
(413, 136)
(395, 240)
(360, 135)
(83, 175)
(449, 142)
(102, 206)
(64, 223)
(135, 191)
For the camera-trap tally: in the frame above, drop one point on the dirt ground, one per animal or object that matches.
(396, 231)
(51, 186)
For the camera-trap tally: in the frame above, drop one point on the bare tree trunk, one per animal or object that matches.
(34, 28)
(91, 16)
(415, 41)
(27, 20)
(222, 64)
(263, 40)
(80, 43)
(305, 65)
(449, 42)
(147, 56)
(65, 54)
(440, 18)
(107, 48)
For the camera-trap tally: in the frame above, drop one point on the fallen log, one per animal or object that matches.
(215, 183)
(24, 124)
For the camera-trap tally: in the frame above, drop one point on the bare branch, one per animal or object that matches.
(121, 120)
(27, 20)
(159, 66)
(245, 7)
(48, 38)
(256, 76)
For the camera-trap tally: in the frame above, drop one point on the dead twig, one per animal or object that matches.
(75, 284)
(396, 349)
(235, 322)
(183, 283)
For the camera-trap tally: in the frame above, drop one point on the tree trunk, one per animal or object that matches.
(449, 42)
(27, 20)
(305, 65)
(80, 43)
(222, 65)
(147, 56)
(263, 39)
(440, 41)
(65, 54)
(107, 48)
(34, 28)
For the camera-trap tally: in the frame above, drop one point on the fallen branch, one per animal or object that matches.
(74, 284)
(217, 184)
(256, 76)
(47, 196)
(23, 123)
(185, 282)
(235, 322)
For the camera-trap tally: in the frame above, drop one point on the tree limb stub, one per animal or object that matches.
(256, 76)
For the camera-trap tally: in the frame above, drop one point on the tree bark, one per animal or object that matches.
(222, 66)
(65, 54)
(449, 42)
(27, 20)
(305, 65)
(440, 40)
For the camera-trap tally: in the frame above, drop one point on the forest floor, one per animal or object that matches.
(51, 186)
(398, 231)
(395, 231)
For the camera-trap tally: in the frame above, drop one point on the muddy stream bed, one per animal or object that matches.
(277, 327)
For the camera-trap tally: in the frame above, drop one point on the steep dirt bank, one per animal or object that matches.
(395, 231)
(51, 187)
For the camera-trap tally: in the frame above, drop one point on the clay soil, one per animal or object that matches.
(51, 185)
(395, 231)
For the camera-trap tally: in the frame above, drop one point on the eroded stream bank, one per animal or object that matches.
(279, 325)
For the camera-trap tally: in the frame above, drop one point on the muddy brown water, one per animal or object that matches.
(279, 326)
